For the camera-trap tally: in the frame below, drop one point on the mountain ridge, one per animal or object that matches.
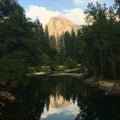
(59, 24)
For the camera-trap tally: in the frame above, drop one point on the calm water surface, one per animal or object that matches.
(60, 109)
(60, 98)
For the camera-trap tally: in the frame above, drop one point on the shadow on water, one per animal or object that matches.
(59, 98)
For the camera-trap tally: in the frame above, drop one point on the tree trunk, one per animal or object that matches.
(112, 64)
(101, 62)
(94, 69)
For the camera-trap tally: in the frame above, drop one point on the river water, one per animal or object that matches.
(60, 97)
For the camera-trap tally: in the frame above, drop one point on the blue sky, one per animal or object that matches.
(60, 5)
(71, 9)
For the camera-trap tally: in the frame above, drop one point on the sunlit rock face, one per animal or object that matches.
(58, 25)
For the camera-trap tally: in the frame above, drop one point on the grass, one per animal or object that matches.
(46, 69)
(39, 69)
(60, 68)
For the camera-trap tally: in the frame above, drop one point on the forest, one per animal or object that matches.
(26, 44)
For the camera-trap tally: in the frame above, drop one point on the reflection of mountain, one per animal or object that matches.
(59, 102)
(60, 109)
(59, 24)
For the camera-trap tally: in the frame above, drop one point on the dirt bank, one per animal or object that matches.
(111, 87)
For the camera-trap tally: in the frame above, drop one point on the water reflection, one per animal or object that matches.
(59, 97)
(60, 109)
(63, 74)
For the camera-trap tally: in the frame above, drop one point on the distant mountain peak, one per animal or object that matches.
(61, 19)
(60, 24)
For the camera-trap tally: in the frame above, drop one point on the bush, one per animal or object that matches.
(11, 68)
(45, 60)
(70, 63)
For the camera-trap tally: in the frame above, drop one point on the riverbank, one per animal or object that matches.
(111, 87)
(61, 70)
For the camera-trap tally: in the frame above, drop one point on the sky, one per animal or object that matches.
(71, 9)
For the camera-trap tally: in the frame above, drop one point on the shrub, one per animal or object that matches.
(70, 63)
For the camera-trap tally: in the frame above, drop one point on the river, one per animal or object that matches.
(60, 97)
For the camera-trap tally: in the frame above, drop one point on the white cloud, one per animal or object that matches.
(41, 13)
(76, 15)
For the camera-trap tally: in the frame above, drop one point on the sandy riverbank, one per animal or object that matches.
(111, 87)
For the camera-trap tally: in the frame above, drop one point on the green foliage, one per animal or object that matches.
(70, 63)
(45, 60)
(11, 68)
(99, 39)
(54, 63)
(39, 69)
(96, 46)
(18, 47)
(61, 68)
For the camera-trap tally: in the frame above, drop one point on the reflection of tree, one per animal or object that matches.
(30, 102)
(97, 107)
(32, 98)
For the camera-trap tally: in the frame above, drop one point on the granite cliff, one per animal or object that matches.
(59, 24)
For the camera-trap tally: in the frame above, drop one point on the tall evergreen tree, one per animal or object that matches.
(73, 46)
(47, 40)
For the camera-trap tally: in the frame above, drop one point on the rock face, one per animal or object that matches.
(59, 24)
